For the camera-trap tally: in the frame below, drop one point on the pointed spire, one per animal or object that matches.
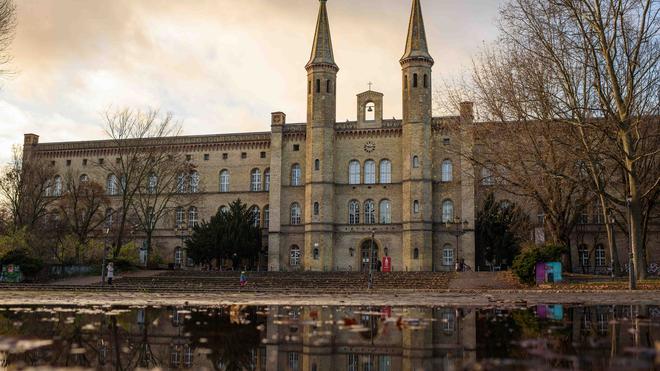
(322, 48)
(416, 47)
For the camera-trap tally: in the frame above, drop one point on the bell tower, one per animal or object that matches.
(319, 171)
(417, 213)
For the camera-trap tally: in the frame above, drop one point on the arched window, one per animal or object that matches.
(487, 177)
(370, 172)
(426, 81)
(192, 217)
(385, 171)
(255, 180)
(57, 186)
(294, 256)
(447, 211)
(267, 180)
(415, 161)
(317, 208)
(328, 86)
(414, 80)
(447, 255)
(415, 253)
(354, 212)
(416, 207)
(405, 82)
(223, 209)
(583, 255)
(370, 111)
(178, 256)
(369, 212)
(354, 172)
(266, 216)
(109, 213)
(295, 213)
(447, 171)
(84, 178)
(122, 184)
(600, 255)
(224, 181)
(152, 183)
(256, 216)
(111, 185)
(385, 212)
(315, 253)
(194, 182)
(317, 164)
(181, 183)
(309, 87)
(296, 175)
(180, 217)
(318, 85)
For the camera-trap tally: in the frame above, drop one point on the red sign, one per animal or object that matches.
(10, 268)
(387, 264)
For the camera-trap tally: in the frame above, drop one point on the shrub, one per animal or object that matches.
(524, 264)
(30, 266)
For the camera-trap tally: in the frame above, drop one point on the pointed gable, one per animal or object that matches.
(322, 48)
(416, 47)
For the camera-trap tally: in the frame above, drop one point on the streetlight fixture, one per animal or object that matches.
(459, 230)
(632, 285)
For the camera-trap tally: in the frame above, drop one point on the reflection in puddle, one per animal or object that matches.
(330, 338)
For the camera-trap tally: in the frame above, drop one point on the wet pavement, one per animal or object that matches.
(318, 337)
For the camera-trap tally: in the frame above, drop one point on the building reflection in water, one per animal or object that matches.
(332, 338)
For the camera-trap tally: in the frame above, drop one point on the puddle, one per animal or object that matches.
(290, 338)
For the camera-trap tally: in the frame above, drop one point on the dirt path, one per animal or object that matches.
(504, 298)
(92, 280)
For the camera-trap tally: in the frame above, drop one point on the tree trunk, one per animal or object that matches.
(634, 208)
(609, 227)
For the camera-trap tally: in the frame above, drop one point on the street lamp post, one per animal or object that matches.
(612, 221)
(632, 285)
(461, 229)
(371, 257)
(106, 231)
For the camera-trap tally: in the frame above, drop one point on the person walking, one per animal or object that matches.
(110, 272)
(243, 279)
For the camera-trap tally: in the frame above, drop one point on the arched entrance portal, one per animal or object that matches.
(365, 247)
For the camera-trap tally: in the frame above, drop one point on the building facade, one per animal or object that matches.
(329, 194)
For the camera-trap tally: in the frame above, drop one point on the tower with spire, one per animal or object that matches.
(416, 151)
(319, 148)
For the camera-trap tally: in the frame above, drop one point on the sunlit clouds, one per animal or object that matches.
(219, 66)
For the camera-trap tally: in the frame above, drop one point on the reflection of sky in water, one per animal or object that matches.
(324, 338)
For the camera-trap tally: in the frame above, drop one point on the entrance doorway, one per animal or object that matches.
(364, 255)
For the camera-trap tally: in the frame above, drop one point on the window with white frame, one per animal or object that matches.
(354, 172)
(180, 217)
(294, 256)
(181, 183)
(385, 212)
(447, 255)
(600, 255)
(266, 216)
(224, 181)
(57, 185)
(267, 180)
(447, 171)
(487, 177)
(416, 207)
(178, 256)
(295, 213)
(296, 175)
(354, 212)
(369, 212)
(447, 211)
(256, 216)
(84, 178)
(111, 185)
(415, 161)
(255, 180)
(152, 183)
(192, 217)
(224, 209)
(583, 255)
(385, 171)
(369, 172)
(194, 182)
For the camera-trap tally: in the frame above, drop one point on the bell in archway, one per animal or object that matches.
(370, 109)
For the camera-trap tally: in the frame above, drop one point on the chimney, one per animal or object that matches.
(467, 111)
(30, 140)
(277, 119)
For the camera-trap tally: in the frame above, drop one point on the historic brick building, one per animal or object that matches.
(326, 192)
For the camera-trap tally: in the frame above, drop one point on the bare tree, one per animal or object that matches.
(137, 140)
(82, 208)
(7, 28)
(27, 189)
(591, 66)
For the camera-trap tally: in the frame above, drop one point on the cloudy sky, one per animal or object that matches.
(218, 65)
